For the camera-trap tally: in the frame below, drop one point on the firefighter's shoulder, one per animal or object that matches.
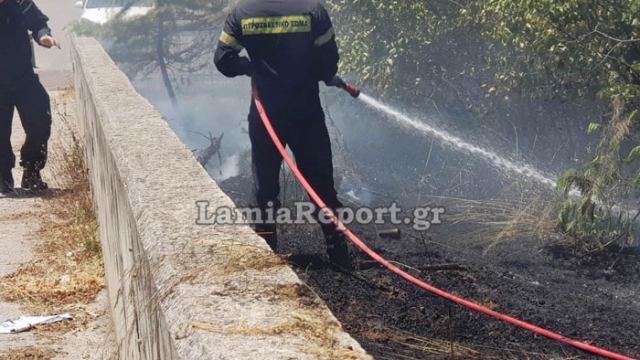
(250, 8)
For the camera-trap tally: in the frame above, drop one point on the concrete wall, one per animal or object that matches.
(179, 290)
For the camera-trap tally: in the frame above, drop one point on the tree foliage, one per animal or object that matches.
(176, 37)
(542, 47)
(381, 38)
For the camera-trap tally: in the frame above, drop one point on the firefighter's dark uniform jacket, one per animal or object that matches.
(17, 18)
(19, 86)
(291, 44)
(291, 47)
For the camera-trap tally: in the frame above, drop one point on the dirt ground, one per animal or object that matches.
(548, 282)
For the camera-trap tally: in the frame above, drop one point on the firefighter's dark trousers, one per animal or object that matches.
(32, 102)
(301, 126)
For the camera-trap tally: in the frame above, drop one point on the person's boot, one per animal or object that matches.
(6, 182)
(32, 180)
(338, 250)
(269, 233)
(265, 225)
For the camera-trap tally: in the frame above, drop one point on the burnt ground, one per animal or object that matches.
(549, 282)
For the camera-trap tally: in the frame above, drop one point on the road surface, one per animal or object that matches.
(54, 65)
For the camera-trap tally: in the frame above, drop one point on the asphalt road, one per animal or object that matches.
(54, 65)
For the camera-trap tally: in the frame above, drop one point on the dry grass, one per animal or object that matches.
(18, 216)
(66, 268)
(239, 257)
(497, 221)
(318, 333)
(399, 344)
(29, 353)
(395, 338)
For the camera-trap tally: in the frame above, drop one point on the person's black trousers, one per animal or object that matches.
(301, 125)
(32, 102)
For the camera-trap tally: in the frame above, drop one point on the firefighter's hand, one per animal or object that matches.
(49, 41)
(335, 81)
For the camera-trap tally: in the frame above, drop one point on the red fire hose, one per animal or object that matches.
(375, 256)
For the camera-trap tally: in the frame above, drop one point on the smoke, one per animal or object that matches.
(208, 103)
(229, 168)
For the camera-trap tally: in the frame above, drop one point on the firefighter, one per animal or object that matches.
(291, 48)
(20, 89)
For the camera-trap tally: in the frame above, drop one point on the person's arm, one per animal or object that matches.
(36, 22)
(227, 57)
(325, 46)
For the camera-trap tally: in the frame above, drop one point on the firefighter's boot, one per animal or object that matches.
(338, 250)
(269, 233)
(6, 182)
(32, 180)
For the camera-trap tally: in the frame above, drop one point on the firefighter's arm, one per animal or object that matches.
(325, 47)
(36, 22)
(227, 57)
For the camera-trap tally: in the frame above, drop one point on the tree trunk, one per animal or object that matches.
(160, 51)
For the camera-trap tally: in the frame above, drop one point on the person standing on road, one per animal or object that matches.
(291, 46)
(20, 89)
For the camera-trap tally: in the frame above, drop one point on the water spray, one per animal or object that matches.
(409, 122)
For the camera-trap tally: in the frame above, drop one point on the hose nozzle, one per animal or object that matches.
(337, 81)
(351, 89)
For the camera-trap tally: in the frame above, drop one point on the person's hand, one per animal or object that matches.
(335, 81)
(49, 42)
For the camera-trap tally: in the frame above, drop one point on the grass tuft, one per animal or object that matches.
(29, 353)
(498, 221)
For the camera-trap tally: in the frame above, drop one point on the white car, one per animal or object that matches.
(103, 11)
